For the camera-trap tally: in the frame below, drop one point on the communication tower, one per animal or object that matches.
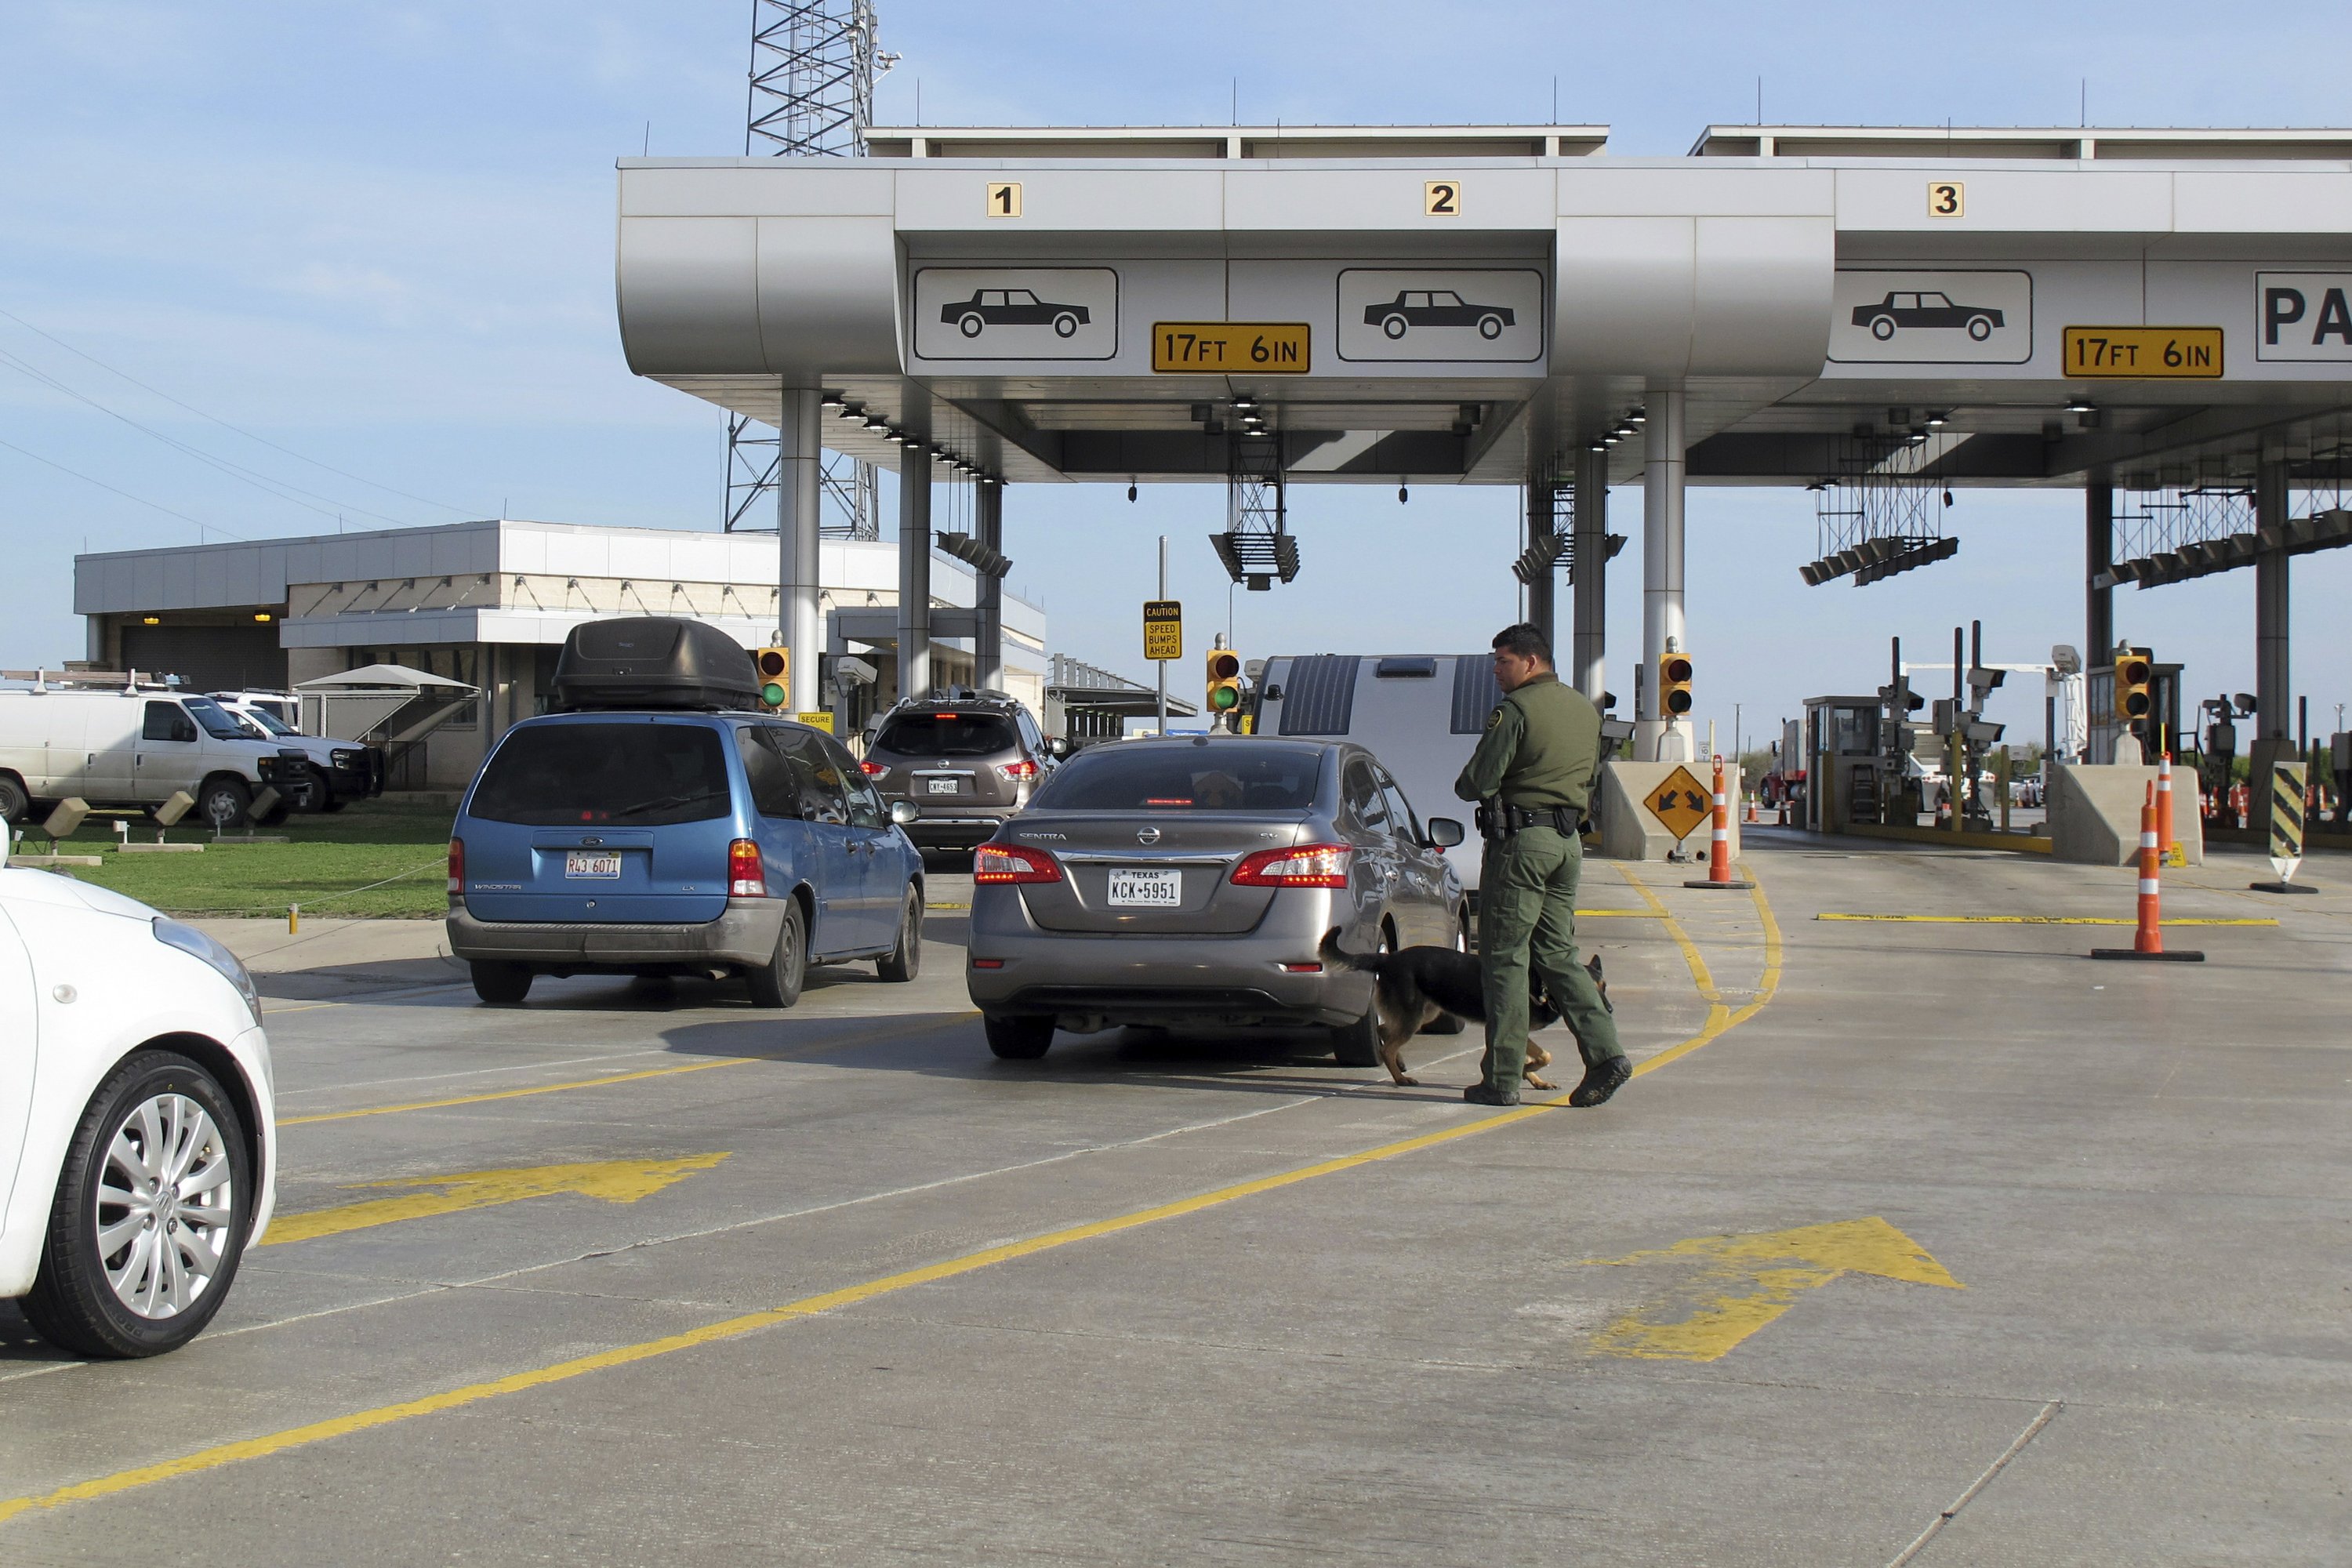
(811, 95)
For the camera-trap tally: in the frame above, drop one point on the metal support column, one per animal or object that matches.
(1589, 666)
(914, 571)
(1657, 737)
(2272, 678)
(799, 461)
(988, 528)
(2098, 554)
(1543, 589)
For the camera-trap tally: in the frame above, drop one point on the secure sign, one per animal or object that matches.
(2304, 316)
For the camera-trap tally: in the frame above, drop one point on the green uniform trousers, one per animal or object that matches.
(1527, 917)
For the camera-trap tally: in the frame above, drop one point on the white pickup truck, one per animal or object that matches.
(340, 772)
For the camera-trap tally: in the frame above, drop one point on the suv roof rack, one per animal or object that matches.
(654, 662)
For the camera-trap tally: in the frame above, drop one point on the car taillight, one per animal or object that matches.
(873, 770)
(1001, 863)
(1308, 866)
(457, 868)
(746, 877)
(1013, 773)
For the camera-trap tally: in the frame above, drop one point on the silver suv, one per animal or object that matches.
(966, 764)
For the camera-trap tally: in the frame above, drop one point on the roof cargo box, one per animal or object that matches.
(654, 661)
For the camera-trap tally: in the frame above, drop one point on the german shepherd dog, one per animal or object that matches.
(1413, 988)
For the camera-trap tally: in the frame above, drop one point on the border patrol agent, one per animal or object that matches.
(1532, 777)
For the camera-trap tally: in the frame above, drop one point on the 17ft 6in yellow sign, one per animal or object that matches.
(2144, 353)
(1163, 628)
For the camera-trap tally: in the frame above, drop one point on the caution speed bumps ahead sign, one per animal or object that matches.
(1680, 804)
(1163, 628)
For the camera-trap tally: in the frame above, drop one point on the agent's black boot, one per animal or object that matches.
(1602, 1080)
(1481, 1094)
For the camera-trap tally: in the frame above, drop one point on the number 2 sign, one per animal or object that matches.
(1441, 198)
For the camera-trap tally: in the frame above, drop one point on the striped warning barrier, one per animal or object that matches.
(2286, 808)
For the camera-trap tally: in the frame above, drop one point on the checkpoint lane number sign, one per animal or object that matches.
(2144, 353)
(1947, 198)
(1163, 628)
(1004, 199)
(1441, 198)
(1681, 804)
(1222, 348)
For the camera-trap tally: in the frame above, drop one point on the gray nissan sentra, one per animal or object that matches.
(1188, 880)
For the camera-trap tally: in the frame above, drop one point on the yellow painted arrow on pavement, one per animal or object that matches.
(1749, 1280)
(615, 1181)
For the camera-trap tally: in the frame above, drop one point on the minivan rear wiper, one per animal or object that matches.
(659, 802)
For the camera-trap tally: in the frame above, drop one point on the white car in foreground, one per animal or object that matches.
(138, 1138)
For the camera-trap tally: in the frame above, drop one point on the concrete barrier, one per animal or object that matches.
(1628, 831)
(2095, 813)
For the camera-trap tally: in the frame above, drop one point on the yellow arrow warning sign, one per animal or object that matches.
(1745, 1281)
(615, 1181)
(1682, 802)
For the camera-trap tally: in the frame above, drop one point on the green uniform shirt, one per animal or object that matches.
(1542, 746)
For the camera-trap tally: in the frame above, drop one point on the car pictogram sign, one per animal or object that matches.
(1682, 802)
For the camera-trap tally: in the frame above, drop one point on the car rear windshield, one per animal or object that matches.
(1248, 776)
(646, 775)
(948, 735)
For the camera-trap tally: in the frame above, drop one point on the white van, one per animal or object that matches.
(340, 771)
(1421, 714)
(135, 748)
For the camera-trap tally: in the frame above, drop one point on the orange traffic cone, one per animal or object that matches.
(1718, 856)
(2147, 940)
(1751, 809)
(2164, 808)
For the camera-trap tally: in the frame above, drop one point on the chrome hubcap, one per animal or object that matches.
(165, 1205)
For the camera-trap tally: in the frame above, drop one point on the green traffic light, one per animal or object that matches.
(772, 695)
(1224, 697)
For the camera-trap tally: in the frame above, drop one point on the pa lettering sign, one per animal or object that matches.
(2303, 316)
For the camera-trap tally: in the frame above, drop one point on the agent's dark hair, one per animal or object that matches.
(1525, 640)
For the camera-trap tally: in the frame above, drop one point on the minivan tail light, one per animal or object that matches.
(1013, 773)
(457, 868)
(1306, 866)
(746, 877)
(873, 770)
(998, 863)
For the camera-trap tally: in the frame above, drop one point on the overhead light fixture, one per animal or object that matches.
(263, 615)
(1131, 490)
(1937, 421)
(1597, 446)
(873, 423)
(1637, 414)
(849, 411)
(830, 400)
(2081, 405)
(1244, 404)
(150, 620)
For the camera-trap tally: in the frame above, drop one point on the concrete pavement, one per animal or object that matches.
(1159, 1299)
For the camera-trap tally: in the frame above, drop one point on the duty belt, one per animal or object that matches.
(1499, 819)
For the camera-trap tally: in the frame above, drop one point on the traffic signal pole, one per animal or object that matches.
(1163, 663)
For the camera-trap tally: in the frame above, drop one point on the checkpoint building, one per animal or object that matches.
(2158, 319)
(490, 604)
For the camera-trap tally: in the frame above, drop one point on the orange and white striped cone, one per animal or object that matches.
(1719, 854)
(1751, 809)
(2164, 808)
(2147, 940)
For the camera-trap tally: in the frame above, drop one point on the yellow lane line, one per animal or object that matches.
(830, 1301)
(1720, 1021)
(2033, 920)
(609, 1078)
(1691, 958)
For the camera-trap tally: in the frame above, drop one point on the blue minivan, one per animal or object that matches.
(674, 832)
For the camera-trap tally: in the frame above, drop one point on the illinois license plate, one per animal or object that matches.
(1148, 890)
(592, 863)
(941, 786)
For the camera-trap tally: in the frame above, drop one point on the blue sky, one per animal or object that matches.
(377, 241)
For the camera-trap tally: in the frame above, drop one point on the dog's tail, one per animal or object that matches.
(1338, 957)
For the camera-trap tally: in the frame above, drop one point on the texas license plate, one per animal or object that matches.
(941, 786)
(592, 863)
(1148, 890)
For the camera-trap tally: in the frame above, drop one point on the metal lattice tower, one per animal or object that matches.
(811, 95)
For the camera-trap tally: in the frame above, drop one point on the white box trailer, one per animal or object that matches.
(1421, 714)
(133, 748)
